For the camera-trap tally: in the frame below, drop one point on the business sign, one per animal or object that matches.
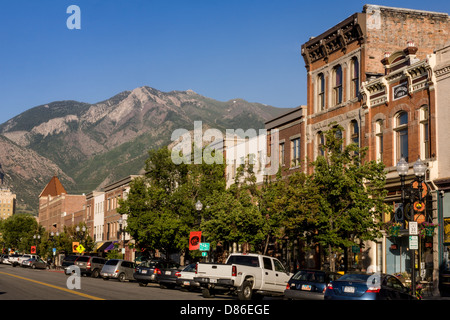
(204, 246)
(413, 242)
(194, 240)
(400, 91)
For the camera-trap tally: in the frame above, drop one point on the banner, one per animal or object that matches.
(33, 249)
(194, 240)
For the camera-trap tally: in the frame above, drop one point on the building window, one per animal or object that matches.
(281, 159)
(295, 152)
(337, 85)
(379, 140)
(424, 133)
(354, 132)
(320, 144)
(355, 78)
(321, 92)
(401, 132)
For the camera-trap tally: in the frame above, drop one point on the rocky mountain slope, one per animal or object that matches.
(89, 145)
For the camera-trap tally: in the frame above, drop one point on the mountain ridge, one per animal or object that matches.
(86, 140)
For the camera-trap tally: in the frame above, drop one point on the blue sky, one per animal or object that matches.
(247, 49)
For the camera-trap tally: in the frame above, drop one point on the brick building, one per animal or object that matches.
(57, 208)
(7, 202)
(372, 74)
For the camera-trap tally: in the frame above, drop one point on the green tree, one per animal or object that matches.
(350, 195)
(18, 231)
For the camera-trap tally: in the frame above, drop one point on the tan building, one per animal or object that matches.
(7, 203)
(57, 208)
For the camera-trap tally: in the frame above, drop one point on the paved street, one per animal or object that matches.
(27, 284)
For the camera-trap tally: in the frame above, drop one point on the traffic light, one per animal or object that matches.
(399, 214)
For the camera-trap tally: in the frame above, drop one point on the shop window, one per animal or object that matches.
(401, 132)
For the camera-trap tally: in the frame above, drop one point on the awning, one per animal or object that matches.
(111, 246)
(104, 245)
(98, 245)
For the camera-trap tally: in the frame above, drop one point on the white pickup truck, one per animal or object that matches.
(247, 275)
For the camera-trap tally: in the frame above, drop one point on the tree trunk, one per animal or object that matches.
(331, 259)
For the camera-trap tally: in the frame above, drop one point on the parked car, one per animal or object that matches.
(27, 257)
(247, 275)
(118, 269)
(67, 262)
(35, 263)
(90, 265)
(146, 272)
(141, 259)
(361, 286)
(185, 278)
(309, 284)
(166, 273)
(5, 259)
(14, 259)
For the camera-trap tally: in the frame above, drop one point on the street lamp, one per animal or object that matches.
(121, 233)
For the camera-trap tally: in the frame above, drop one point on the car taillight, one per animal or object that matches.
(177, 274)
(233, 271)
(88, 265)
(330, 286)
(288, 286)
(157, 271)
(373, 289)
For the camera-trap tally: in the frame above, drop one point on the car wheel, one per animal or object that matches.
(121, 277)
(246, 291)
(95, 273)
(33, 266)
(208, 293)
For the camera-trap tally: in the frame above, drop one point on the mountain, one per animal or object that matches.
(89, 145)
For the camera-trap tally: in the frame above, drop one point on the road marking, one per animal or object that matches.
(55, 287)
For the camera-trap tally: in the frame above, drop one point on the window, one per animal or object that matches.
(267, 263)
(354, 78)
(281, 154)
(424, 133)
(278, 266)
(321, 92)
(337, 85)
(354, 132)
(320, 144)
(401, 132)
(295, 152)
(379, 140)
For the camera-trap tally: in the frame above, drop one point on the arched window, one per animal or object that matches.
(354, 78)
(401, 132)
(337, 85)
(379, 140)
(321, 92)
(424, 133)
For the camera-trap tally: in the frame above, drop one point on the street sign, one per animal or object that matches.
(204, 254)
(413, 242)
(413, 229)
(204, 246)
(80, 248)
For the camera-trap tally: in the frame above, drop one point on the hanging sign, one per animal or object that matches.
(413, 242)
(194, 240)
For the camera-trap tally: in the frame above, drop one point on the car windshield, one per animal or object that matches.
(70, 258)
(112, 262)
(354, 277)
(311, 276)
(83, 259)
(244, 260)
(189, 268)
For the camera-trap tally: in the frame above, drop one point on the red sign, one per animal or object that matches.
(194, 240)
(33, 249)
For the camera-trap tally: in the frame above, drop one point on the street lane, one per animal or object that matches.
(28, 284)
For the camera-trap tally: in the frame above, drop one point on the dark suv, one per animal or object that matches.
(90, 265)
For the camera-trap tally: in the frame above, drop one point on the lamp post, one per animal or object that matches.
(123, 240)
(419, 168)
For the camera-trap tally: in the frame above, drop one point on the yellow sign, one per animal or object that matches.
(80, 248)
(75, 246)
